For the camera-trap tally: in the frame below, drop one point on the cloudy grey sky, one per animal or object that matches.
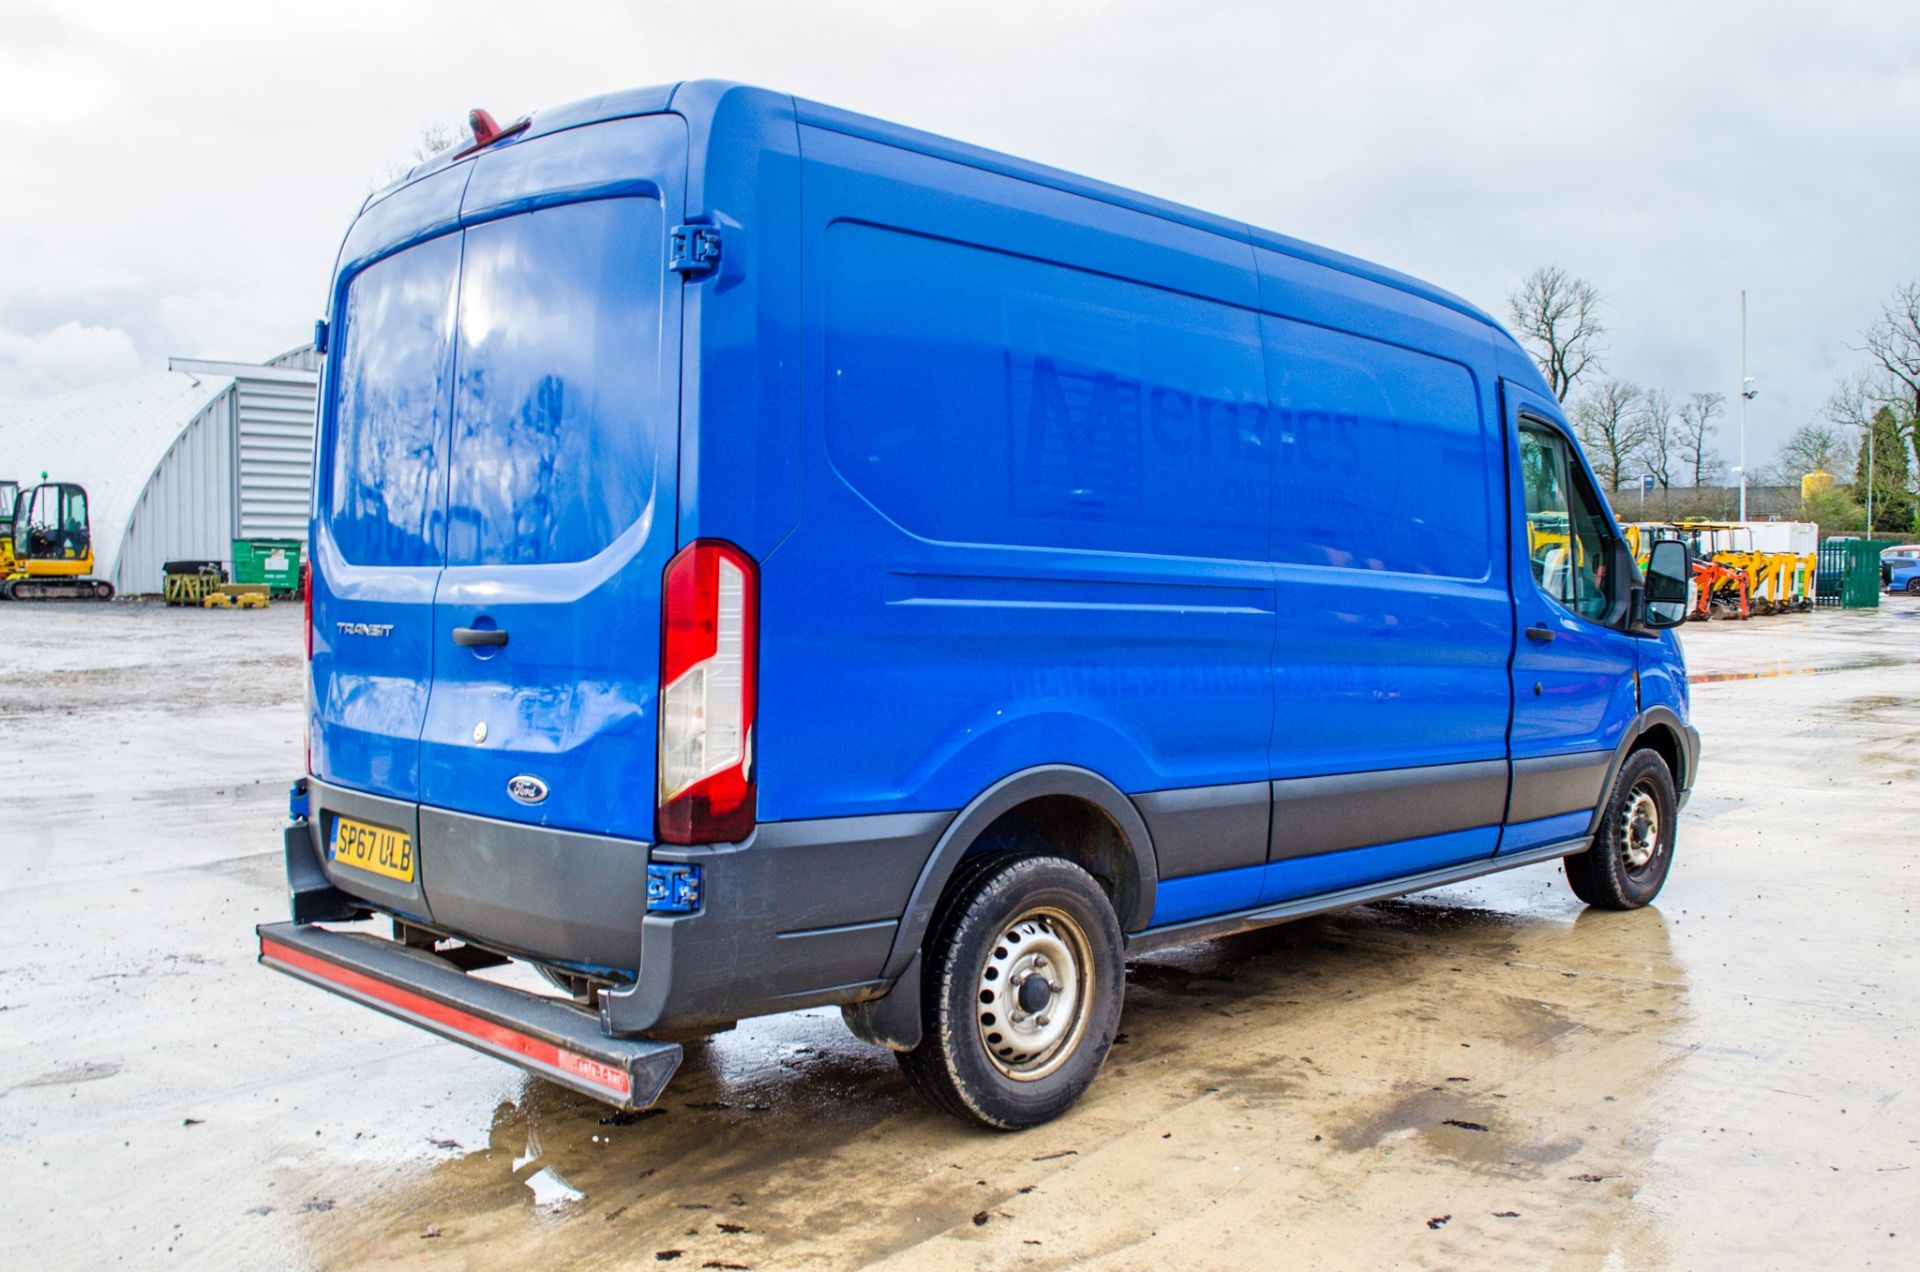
(177, 177)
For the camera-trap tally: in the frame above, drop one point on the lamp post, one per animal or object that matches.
(1869, 479)
(1746, 395)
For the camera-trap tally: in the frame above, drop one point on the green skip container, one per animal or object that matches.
(275, 562)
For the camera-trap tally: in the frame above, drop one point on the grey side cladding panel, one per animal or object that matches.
(1357, 810)
(799, 876)
(1207, 828)
(797, 914)
(1555, 784)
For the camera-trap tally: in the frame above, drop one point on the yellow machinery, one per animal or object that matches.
(1777, 582)
(49, 552)
(237, 596)
(9, 494)
(1772, 582)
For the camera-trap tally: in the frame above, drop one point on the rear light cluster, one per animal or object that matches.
(708, 668)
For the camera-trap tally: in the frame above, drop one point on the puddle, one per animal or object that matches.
(1780, 669)
(551, 1191)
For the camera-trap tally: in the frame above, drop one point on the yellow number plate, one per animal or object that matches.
(376, 848)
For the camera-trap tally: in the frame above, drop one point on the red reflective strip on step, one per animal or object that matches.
(613, 1079)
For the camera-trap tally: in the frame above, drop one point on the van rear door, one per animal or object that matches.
(379, 534)
(562, 457)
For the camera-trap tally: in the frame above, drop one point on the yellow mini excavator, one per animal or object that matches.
(48, 550)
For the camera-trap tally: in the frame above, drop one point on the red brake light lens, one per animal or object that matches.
(306, 593)
(709, 668)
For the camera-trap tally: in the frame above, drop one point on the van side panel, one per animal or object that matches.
(740, 360)
(1034, 488)
(1392, 696)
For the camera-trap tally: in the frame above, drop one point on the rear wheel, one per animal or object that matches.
(1913, 586)
(1023, 989)
(1633, 850)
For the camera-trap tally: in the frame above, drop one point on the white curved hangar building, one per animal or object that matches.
(177, 463)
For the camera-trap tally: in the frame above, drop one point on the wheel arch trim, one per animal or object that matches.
(1003, 797)
(1685, 743)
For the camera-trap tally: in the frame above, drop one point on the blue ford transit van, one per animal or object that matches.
(764, 557)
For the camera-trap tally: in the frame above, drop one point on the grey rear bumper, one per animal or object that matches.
(554, 1039)
(802, 914)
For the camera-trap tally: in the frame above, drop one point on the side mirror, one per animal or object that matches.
(1669, 575)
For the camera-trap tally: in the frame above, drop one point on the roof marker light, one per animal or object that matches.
(486, 131)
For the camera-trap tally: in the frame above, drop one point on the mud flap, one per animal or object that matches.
(892, 1020)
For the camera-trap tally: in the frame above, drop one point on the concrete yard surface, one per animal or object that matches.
(1484, 1076)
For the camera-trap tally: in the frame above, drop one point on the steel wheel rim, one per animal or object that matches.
(1022, 1043)
(1639, 830)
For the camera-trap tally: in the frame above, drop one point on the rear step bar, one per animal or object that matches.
(556, 1040)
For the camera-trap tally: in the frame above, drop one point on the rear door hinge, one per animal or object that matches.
(693, 250)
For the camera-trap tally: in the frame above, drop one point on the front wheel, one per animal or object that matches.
(1913, 586)
(1024, 982)
(1633, 849)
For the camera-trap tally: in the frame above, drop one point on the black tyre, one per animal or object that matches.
(1633, 850)
(1024, 979)
(1913, 586)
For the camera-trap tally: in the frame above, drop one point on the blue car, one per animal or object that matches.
(1900, 569)
(764, 558)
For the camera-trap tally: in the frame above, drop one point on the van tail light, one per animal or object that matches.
(710, 613)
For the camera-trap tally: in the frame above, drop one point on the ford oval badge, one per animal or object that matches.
(527, 789)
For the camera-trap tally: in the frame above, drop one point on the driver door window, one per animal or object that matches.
(1568, 543)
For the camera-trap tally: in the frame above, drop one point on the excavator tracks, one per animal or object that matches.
(56, 589)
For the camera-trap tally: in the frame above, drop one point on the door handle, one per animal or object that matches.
(474, 636)
(1539, 631)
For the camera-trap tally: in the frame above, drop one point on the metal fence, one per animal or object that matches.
(1849, 573)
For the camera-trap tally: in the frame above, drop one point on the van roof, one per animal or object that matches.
(703, 99)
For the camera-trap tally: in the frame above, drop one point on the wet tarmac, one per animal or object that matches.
(1481, 1076)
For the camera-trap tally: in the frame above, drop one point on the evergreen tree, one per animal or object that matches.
(1893, 501)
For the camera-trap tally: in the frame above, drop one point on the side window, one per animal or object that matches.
(1568, 542)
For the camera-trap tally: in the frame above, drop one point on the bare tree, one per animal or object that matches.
(1697, 414)
(1856, 398)
(434, 137)
(1815, 448)
(1613, 428)
(1894, 342)
(1663, 438)
(1557, 317)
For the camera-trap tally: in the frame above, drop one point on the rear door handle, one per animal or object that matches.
(1538, 631)
(472, 636)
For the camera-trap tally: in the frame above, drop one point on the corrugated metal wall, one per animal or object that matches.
(186, 510)
(301, 359)
(275, 442)
(272, 443)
